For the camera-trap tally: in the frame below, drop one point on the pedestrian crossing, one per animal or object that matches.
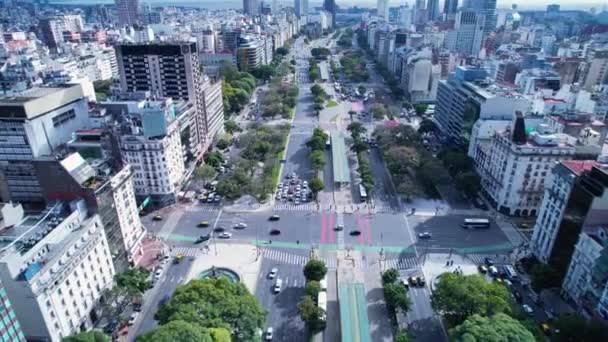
(496, 258)
(205, 208)
(401, 263)
(308, 206)
(187, 251)
(294, 259)
(386, 209)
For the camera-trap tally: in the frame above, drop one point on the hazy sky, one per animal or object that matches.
(523, 4)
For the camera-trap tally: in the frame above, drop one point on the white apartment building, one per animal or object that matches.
(419, 77)
(150, 142)
(55, 268)
(586, 283)
(515, 166)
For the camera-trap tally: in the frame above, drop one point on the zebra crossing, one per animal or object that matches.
(205, 208)
(386, 209)
(308, 206)
(496, 258)
(401, 263)
(294, 259)
(186, 251)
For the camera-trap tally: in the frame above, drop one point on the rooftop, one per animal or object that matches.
(580, 166)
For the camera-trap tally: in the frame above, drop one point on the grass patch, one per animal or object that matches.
(331, 103)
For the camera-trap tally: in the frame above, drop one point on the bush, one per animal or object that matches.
(315, 270)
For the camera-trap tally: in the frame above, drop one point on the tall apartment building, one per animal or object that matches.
(467, 35)
(10, 328)
(52, 29)
(450, 7)
(128, 12)
(576, 193)
(253, 52)
(107, 191)
(597, 71)
(251, 7)
(586, 282)
(150, 141)
(382, 9)
(33, 125)
(432, 8)
(330, 6)
(487, 8)
(301, 8)
(172, 70)
(453, 95)
(517, 165)
(55, 268)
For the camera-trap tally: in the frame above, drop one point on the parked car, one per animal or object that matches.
(268, 335)
(157, 218)
(483, 269)
(274, 218)
(133, 318)
(528, 309)
(277, 286)
(225, 235)
(273, 273)
(240, 225)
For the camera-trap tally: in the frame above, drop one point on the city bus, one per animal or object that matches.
(322, 302)
(476, 223)
(362, 193)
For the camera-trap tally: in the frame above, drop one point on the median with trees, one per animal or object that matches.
(396, 298)
(312, 315)
(316, 143)
(237, 87)
(357, 130)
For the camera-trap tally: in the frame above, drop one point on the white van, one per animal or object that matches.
(323, 283)
(511, 273)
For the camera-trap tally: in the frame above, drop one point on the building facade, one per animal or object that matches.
(128, 12)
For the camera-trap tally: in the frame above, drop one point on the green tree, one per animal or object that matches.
(427, 126)
(176, 331)
(575, 328)
(215, 303)
(396, 297)
(317, 160)
(317, 90)
(205, 173)
(264, 72)
(356, 128)
(390, 276)
(359, 146)
(228, 71)
(316, 185)
(468, 182)
(378, 111)
(311, 314)
(231, 126)
(133, 281)
(402, 336)
(459, 297)
(229, 188)
(544, 276)
(320, 53)
(87, 336)
(420, 108)
(499, 327)
(399, 159)
(317, 107)
(283, 51)
(214, 159)
(312, 288)
(315, 270)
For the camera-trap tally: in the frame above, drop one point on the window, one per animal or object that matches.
(62, 118)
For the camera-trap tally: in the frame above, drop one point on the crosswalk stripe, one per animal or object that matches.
(497, 259)
(401, 263)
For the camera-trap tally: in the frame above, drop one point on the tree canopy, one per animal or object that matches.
(87, 336)
(183, 331)
(134, 281)
(459, 297)
(311, 314)
(205, 172)
(497, 328)
(215, 303)
(575, 328)
(544, 276)
(316, 185)
(315, 270)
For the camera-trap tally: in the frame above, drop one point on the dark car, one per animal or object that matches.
(275, 232)
(488, 261)
(219, 229)
(517, 296)
(420, 281)
(355, 232)
(274, 218)
(203, 238)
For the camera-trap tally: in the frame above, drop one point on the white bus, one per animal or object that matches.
(322, 303)
(476, 223)
(362, 193)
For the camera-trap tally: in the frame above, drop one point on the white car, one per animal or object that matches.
(528, 310)
(225, 235)
(273, 273)
(158, 273)
(133, 318)
(240, 225)
(277, 286)
(268, 334)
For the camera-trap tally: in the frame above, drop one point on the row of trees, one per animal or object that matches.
(407, 159)
(214, 310)
(311, 313)
(256, 170)
(313, 70)
(461, 168)
(396, 298)
(319, 97)
(279, 100)
(320, 52)
(316, 143)
(237, 87)
(353, 66)
(479, 310)
(357, 130)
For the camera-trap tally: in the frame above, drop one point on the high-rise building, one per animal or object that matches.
(55, 268)
(574, 198)
(420, 12)
(467, 35)
(107, 190)
(382, 8)
(251, 7)
(553, 8)
(253, 52)
(405, 16)
(11, 329)
(597, 71)
(301, 8)
(330, 6)
(172, 70)
(34, 125)
(450, 7)
(432, 8)
(128, 12)
(487, 8)
(54, 30)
